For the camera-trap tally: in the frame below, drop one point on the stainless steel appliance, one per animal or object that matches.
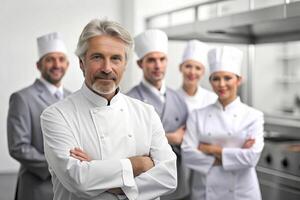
(278, 169)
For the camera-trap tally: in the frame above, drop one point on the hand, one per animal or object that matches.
(217, 162)
(80, 154)
(116, 191)
(248, 143)
(141, 164)
(210, 149)
(177, 136)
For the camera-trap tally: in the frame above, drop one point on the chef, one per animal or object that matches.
(224, 140)
(193, 67)
(151, 48)
(24, 134)
(130, 156)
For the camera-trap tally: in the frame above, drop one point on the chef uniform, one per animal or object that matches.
(169, 105)
(197, 51)
(109, 134)
(229, 127)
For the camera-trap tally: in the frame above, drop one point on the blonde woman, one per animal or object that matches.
(193, 67)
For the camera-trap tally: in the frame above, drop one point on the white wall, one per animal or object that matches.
(21, 22)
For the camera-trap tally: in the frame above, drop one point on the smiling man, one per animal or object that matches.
(25, 140)
(151, 48)
(100, 143)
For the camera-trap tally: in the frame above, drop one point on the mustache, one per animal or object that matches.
(106, 76)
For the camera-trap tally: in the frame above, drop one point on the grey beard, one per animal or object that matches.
(103, 92)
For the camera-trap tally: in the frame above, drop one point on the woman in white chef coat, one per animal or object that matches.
(192, 67)
(224, 140)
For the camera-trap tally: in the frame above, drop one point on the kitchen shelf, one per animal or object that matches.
(266, 25)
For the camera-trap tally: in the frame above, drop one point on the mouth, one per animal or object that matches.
(222, 92)
(56, 71)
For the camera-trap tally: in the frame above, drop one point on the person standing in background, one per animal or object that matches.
(193, 68)
(151, 48)
(25, 139)
(224, 140)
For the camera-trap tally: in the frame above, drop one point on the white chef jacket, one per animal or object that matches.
(109, 134)
(201, 99)
(236, 179)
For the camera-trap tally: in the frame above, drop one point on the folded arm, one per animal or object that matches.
(85, 179)
(162, 178)
(239, 158)
(192, 157)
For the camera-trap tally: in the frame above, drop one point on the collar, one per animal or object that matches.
(98, 100)
(52, 88)
(231, 105)
(160, 93)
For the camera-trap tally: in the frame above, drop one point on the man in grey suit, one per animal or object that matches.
(25, 140)
(151, 48)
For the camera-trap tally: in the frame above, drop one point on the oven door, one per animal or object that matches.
(276, 185)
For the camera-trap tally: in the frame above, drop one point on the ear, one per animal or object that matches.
(82, 66)
(38, 65)
(139, 63)
(180, 67)
(240, 80)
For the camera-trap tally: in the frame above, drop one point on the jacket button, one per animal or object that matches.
(101, 137)
(121, 110)
(129, 135)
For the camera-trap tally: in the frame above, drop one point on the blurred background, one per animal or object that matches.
(267, 31)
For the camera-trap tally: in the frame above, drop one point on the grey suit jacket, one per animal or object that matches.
(173, 114)
(25, 140)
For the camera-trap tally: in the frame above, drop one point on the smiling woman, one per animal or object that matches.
(224, 140)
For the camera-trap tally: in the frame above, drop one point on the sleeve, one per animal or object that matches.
(19, 133)
(84, 179)
(237, 158)
(191, 156)
(162, 178)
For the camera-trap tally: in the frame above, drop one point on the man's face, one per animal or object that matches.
(154, 66)
(104, 64)
(53, 67)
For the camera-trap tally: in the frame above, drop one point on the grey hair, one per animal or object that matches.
(98, 27)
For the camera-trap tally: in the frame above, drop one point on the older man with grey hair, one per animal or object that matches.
(100, 143)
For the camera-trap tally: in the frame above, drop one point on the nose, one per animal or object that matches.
(106, 67)
(158, 64)
(56, 62)
(222, 82)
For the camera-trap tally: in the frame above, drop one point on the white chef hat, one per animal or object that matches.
(152, 40)
(49, 43)
(225, 58)
(197, 51)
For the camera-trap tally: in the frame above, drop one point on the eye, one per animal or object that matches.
(227, 78)
(96, 57)
(188, 66)
(62, 59)
(150, 60)
(163, 59)
(198, 68)
(116, 58)
(215, 78)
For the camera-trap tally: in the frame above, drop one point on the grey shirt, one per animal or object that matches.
(173, 113)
